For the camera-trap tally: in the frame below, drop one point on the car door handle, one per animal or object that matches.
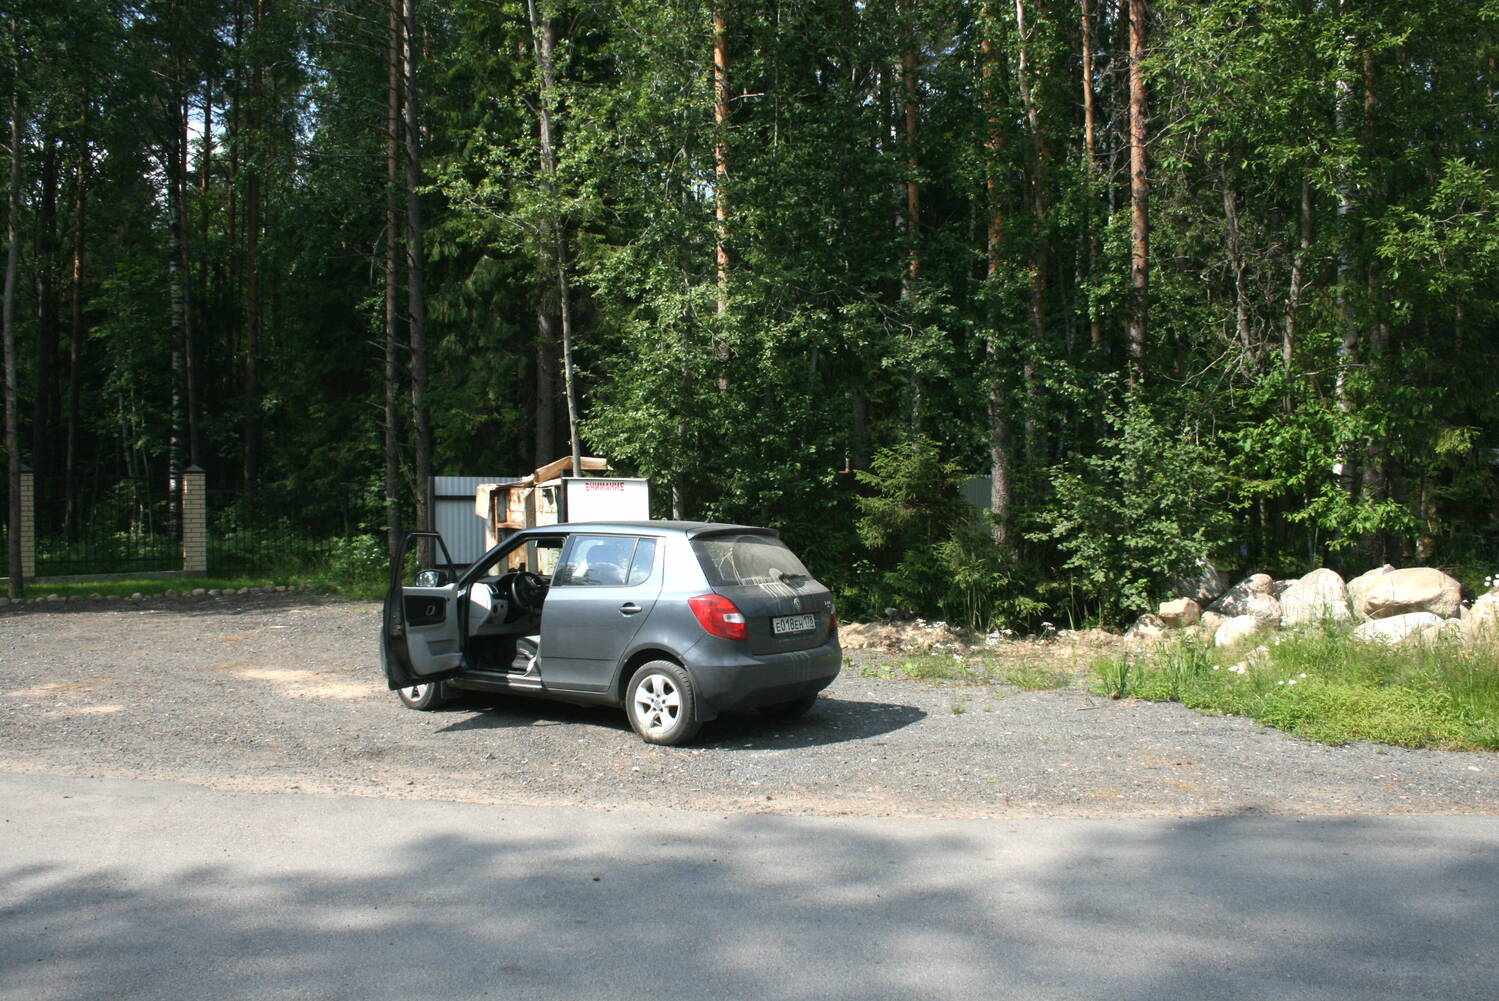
(629, 608)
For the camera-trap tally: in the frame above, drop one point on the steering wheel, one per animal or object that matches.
(527, 590)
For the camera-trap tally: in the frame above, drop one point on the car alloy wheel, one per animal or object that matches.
(425, 696)
(660, 704)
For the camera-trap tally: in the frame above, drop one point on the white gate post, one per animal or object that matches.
(194, 521)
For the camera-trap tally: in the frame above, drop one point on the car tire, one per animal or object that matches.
(795, 709)
(661, 705)
(432, 695)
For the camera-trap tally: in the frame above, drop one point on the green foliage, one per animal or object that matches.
(984, 591)
(930, 554)
(1148, 504)
(357, 567)
(1325, 686)
(1317, 380)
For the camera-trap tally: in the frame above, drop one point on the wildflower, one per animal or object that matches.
(1280, 682)
(1301, 675)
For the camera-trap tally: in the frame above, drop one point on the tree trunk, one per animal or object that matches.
(75, 339)
(7, 321)
(1090, 168)
(860, 416)
(44, 409)
(543, 39)
(416, 265)
(1347, 351)
(1038, 258)
(1234, 249)
(174, 158)
(998, 402)
(1298, 266)
(184, 264)
(546, 382)
(910, 106)
(392, 282)
(253, 312)
(720, 184)
(1139, 188)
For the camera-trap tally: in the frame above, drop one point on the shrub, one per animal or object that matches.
(930, 554)
(1147, 505)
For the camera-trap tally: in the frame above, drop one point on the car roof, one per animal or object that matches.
(690, 529)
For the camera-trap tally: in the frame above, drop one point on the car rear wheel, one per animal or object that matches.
(661, 705)
(432, 695)
(795, 709)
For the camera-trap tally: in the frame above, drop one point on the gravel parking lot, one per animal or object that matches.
(283, 692)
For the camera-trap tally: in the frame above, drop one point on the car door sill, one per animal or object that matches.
(491, 681)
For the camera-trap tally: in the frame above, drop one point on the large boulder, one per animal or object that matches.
(1482, 620)
(1180, 613)
(1359, 587)
(1397, 628)
(1146, 626)
(1253, 595)
(1210, 622)
(1238, 628)
(1414, 589)
(1319, 596)
(1202, 583)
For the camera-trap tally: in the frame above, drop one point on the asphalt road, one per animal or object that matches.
(121, 889)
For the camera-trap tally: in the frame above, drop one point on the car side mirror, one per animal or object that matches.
(431, 578)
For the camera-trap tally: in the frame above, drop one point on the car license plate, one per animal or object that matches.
(783, 624)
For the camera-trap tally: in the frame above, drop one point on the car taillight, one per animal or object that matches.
(719, 616)
(832, 619)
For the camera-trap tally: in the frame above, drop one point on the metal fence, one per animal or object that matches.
(240, 542)
(124, 528)
(129, 528)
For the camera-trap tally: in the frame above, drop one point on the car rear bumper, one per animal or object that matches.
(727, 678)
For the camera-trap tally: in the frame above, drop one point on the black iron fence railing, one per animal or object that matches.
(124, 528)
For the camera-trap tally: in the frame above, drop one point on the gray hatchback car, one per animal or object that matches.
(674, 621)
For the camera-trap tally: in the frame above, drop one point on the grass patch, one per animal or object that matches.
(972, 670)
(928, 667)
(1034, 677)
(1326, 686)
(143, 585)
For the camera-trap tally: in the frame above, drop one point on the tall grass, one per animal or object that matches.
(1328, 687)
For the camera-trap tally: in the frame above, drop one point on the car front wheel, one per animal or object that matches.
(661, 705)
(428, 696)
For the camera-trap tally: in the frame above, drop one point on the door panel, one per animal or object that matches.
(420, 636)
(432, 636)
(586, 627)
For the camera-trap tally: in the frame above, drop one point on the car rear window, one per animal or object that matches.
(746, 558)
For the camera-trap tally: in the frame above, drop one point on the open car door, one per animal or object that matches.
(421, 639)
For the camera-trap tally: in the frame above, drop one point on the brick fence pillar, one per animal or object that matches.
(28, 523)
(194, 521)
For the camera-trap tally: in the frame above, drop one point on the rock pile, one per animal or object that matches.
(1389, 605)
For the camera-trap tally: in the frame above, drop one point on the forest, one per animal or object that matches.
(1184, 279)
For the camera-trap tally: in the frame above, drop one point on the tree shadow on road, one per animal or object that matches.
(545, 904)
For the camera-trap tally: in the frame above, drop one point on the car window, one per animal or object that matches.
(642, 564)
(746, 558)
(598, 561)
(537, 555)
